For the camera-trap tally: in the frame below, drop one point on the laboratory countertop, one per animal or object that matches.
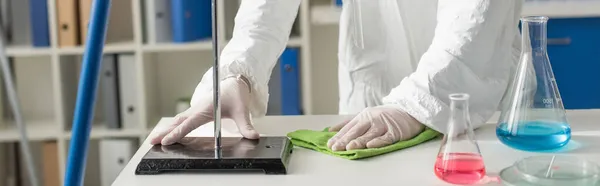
(412, 166)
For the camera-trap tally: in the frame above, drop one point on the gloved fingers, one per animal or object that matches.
(341, 133)
(381, 141)
(186, 127)
(245, 126)
(355, 132)
(361, 142)
(158, 135)
(341, 125)
(187, 141)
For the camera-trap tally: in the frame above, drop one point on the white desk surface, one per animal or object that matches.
(412, 166)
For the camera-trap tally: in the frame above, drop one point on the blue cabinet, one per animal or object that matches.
(574, 52)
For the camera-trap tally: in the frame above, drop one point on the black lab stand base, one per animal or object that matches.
(197, 155)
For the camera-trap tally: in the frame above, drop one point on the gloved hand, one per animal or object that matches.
(374, 127)
(235, 98)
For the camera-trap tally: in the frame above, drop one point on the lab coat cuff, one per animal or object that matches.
(420, 104)
(259, 91)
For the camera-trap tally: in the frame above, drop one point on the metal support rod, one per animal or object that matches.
(86, 93)
(13, 98)
(216, 82)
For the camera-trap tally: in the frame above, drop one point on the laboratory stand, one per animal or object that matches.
(47, 79)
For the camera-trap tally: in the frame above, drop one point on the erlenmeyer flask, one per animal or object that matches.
(459, 160)
(534, 118)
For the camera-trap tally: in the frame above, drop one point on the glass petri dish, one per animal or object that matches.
(563, 171)
(510, 176)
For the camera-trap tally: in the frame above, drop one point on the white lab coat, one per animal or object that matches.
(416, 53)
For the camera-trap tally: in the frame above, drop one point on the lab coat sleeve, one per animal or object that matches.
(472, 52)
(260, 34)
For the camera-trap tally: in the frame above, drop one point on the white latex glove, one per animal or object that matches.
(235, 98)
(374, 127)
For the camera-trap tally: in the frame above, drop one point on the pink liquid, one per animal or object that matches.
(460, 168)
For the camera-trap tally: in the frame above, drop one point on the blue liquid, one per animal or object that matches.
(535, 135)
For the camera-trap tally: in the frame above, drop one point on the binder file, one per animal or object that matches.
(4, 171)
(50, 164)
(110, 92)
(130, 117)
(284, 85)
(5, 20)
(191, 20)
(67, 23)
(113, 161)
(85, 7)
(290, 82)
(39, 23)
(158, 21)
(274, 104)
(12, 165)
(20, 24)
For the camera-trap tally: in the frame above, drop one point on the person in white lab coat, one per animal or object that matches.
(395, 76)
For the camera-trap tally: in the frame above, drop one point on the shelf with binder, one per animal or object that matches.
(202, 45)
(114, 96)
(35, 90)
(92, 171)
(177, 21)
(178, 47)
(171, 76)
(6, 159)
(115, 47)
(70, 69)
(284, 84)
(295, 42)
(325, 12)
(104, 162)
(37, 130)
(72, 17)
(25, 25)
(15, 173)
(36, 106)
(111, 162)
(99, 130)
(25, 51)
(50, 164)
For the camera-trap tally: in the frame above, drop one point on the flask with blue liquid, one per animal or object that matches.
(533, 117)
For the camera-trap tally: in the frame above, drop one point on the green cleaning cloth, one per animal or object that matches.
(317, 140)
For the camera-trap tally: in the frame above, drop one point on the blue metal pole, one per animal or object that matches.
(86, 93)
